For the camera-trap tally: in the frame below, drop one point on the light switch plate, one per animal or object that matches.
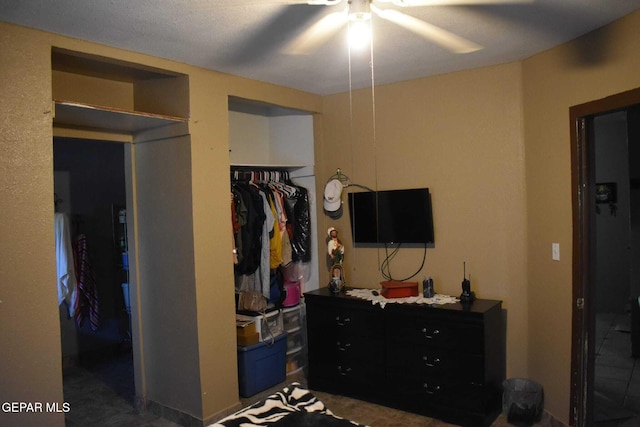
(555, 251)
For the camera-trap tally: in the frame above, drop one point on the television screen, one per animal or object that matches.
(393, 216)
(362, 213)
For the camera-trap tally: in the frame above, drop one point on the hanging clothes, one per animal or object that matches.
(249, 242)
(235, 228)
(87, 301)
(275, 243)
(273, 226)
(286, 248)
(262, 281)
(66, 275)
(301, 234)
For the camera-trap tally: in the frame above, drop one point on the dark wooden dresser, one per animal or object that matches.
(445, 362)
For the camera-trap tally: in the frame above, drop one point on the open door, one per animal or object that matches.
(583, 200)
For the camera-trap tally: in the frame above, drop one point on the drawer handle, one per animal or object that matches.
(342, 347)
(343, 372)
(342, 322)
(431, 390)
(430, 364)
(433, 334)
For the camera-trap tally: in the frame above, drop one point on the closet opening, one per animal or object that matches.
(95, 325)
(106, 107)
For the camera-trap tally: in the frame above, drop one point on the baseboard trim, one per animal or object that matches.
(174, 415)
(223, 413)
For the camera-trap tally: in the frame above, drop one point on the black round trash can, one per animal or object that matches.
(522, 401)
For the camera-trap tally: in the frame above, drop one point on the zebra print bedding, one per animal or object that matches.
(293, 406)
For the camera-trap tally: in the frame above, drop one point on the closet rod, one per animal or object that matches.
(244, 174)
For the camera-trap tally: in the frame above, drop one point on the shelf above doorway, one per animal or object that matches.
(88, 116)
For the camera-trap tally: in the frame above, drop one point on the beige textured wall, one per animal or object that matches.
(210, 180)
(460, 135)
(492, 144)
(600, 64)
(166, 274)
(92, 90)
(29, 325)
(29, 329)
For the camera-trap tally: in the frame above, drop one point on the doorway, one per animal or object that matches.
(604, 282)
(90, 189)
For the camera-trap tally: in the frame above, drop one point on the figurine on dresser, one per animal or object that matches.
(335, 251)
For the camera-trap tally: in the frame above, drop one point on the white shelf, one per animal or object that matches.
(87, 116)
(295, 350)
(295, 371)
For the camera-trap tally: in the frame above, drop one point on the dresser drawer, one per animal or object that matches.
(326, 320)
(426, 360)
(343, 375)
(444, 362)
(417, 391)
(349, 347)
(468, 337)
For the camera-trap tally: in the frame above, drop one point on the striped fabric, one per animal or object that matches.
(293, 406)
(87, 300)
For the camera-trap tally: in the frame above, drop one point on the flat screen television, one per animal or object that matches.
(392, 216)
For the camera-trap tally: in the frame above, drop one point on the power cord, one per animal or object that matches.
(385, 266)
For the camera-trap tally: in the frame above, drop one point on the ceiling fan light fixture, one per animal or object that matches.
(359, 16)
(359, 10)
(408, 3)
(359, 34)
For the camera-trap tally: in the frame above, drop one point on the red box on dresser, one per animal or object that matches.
(395, 289)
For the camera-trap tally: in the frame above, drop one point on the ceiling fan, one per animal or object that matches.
(357, 14)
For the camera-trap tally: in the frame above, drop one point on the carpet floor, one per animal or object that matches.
(101, 393)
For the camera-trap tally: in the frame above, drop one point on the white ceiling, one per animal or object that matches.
(246, 37)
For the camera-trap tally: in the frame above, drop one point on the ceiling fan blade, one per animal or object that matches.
(409, 3)
(438, 35)
(244, 3)
(323, 2)
(315, 35)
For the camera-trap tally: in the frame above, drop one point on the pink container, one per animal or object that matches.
(293, 293)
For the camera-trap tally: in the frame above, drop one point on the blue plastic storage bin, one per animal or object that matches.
(262, 365)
